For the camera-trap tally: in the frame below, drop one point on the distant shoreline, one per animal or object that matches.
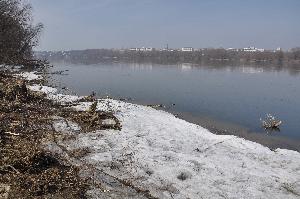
(289, 59)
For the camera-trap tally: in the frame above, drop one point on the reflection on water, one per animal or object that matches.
(247, 69)
(136, 66)
(237, 94)
(185, 67)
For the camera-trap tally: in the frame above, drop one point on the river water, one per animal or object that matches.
(238, 96)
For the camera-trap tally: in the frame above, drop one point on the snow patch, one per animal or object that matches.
(44, 89)
(30, 76)
(175, 159)
(63, 98)
(109, 122)
(53, 95)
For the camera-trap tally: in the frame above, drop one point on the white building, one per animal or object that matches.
(134, 49)
(253, 49)
(141, 49)
(232, 49)
(187, 49)
(149, 49)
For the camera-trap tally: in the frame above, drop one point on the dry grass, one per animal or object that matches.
(92, 120)
(26, 170)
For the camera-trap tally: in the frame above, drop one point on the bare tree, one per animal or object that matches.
(18, 35)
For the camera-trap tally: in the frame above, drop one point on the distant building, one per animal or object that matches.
(141, 49)
(134, 49)
(260, 50)
(187, 49)
(253, 49)
(149, 49)
(196, 49)
(232, 49)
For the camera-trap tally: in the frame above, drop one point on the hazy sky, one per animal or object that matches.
(86, 24)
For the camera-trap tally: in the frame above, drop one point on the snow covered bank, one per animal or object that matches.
(176, 159)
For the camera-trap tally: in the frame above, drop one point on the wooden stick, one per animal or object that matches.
(10, 133)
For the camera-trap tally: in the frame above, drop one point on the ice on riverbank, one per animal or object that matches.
(176, 159)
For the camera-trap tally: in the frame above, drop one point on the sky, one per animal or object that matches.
(91, 24)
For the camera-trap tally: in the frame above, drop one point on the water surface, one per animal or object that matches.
(237, 95)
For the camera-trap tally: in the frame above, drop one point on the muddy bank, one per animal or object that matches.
(226, 128)
(218, 127)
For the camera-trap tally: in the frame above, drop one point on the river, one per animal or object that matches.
(221, 97)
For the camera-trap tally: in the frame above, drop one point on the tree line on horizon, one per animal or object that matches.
(18, 37)
(18, 34)
(203, 56)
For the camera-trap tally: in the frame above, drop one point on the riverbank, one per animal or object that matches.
(26, 169)
(226, 128)
(33, 162)
(156, 155)
(170, 157)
